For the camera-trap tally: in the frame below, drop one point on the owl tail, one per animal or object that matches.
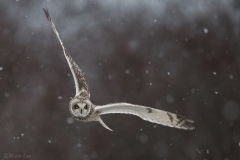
(103, 124)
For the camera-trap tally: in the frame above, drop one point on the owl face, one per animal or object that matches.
(80, 108)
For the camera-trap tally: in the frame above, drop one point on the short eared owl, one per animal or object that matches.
(82, 109)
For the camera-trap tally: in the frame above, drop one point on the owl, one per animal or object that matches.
(82, 109)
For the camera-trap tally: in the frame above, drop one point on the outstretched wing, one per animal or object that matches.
(80, 83)
(148, 114)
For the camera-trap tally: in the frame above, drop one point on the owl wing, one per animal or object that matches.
(148, 114)
(80, 83)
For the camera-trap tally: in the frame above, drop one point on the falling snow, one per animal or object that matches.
(175, 56)
(127, 71)
(170, 98)
(7, 94)
(144, 138)
(205, 30)
(70, 120)
(193, 90)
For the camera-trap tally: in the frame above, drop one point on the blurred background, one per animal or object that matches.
(177, 55)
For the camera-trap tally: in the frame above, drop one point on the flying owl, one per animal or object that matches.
(82, 109)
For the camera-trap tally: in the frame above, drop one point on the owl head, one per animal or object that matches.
(80, 107)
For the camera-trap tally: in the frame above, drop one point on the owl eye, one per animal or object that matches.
(85, 107)
(76, 106)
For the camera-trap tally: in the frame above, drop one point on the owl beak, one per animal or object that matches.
(81, 111)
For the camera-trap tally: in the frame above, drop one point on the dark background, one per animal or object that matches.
(173, 55)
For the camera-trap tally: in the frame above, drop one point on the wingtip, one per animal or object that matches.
(110, 129)
(45, 9)
(46, 12)
(188, 124)
(104, 125)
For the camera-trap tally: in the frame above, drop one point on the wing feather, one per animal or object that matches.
(80, 83)
(148, 114)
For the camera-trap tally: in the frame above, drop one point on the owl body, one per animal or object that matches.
(82, 109)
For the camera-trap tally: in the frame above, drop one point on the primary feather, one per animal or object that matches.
(80, 83)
